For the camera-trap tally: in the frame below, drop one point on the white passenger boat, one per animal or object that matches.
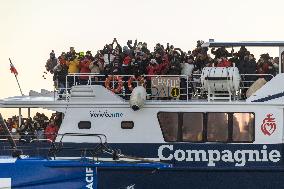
(212, 137)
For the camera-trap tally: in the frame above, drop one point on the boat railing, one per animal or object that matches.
(15, 139)
(52, 148)
(102, 138)
(30, 138)
(40, 140)
(25, 138)
(190, 86)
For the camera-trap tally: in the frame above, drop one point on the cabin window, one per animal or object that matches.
(169, 125)
(84, 125)
(207, 127)
(217, 127)
(127, 124)
(243, 127)
(192, 127)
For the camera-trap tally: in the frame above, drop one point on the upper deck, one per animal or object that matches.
(190, 91)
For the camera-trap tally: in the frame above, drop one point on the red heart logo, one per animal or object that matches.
(268, 125)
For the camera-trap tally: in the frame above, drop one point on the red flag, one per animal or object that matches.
(13, 69)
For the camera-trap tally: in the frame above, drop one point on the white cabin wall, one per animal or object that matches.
(146, 126)
(260, 115)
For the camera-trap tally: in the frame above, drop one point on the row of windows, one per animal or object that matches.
(88, 125)
(200, 127)
(203, 127)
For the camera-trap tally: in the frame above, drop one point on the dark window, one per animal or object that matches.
(212, 127)
(169, 125)
(192, 127)
(217, 127)
(127, 124)
(243, 127)
(84, 125)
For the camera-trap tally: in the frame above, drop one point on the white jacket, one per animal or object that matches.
(186, 69)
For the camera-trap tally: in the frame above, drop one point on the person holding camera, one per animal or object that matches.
(108, 54)
(60, 73)
(175, 62)
(95, 68)
(129, 44)
(51, 62)
(220, 52)
(73, 67)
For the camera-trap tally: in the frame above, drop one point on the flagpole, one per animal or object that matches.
(19, 85)
(17, 81)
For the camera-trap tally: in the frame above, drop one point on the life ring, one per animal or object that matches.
(140, 79)
(119, 84)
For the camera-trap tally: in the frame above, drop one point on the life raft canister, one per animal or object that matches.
(119, 83)
(140, 79)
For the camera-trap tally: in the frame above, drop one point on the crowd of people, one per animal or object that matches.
(38, 127)
(136, 59)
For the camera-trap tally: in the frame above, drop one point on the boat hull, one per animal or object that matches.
(198, 173)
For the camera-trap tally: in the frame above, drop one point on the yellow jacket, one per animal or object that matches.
(73, 66)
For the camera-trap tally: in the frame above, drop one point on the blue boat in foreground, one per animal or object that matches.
(30, 173)
(23, 171)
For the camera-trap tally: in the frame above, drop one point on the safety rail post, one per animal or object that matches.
(186, 88)
(66, 85)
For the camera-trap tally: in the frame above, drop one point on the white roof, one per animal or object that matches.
(244, 43)
(81, 95)
(272, 91)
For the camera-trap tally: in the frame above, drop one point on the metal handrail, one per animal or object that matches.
(40, 139)
(193, 79)
(102, 137)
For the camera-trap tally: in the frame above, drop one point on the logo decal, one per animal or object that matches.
(268, 125)
(89, 177)
(105, 114)
(238, 158)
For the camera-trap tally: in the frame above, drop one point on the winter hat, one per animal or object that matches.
(52, 54)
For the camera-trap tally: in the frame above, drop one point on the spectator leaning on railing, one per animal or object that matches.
(51, 130)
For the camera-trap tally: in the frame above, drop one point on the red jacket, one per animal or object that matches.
(164, 66)
(152, 70)
(224, 63)
(127, 61)
(84, 68)
(50, 132)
